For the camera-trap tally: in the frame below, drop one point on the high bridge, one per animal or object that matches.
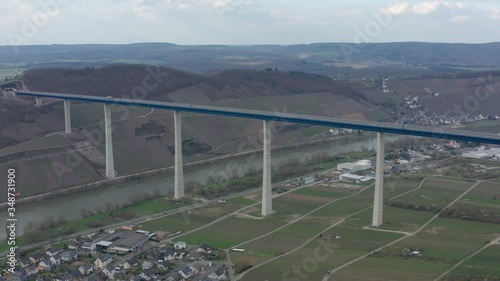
(267, 117)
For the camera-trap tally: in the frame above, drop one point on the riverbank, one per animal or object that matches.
(143, 174)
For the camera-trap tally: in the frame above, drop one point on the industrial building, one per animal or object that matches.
(308, 180)
(354, 178)
(361, 165)
(122, 242)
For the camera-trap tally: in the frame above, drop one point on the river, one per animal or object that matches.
(70, 206)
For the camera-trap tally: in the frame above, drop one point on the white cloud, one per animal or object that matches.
(423, 8)
(495, 13)
(460, 18)
(426, 8)
(399, 8)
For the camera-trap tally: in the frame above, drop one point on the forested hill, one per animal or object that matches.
(318, 57)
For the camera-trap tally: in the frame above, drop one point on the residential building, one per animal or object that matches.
(103, 261)
(219, 274)
(86, 269)
(180, 245)
(52, 252)
(187, 272)
(109, 271)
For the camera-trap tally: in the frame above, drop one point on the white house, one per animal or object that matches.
(180, 245)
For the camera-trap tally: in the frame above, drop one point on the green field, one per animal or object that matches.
(232, 231)
(403, 219)
(285, 206)
(442, 244)
(436, 193)
(484, 265)
(294, 235)
(352, 243)
(243, 201)
(485, 193)
(189, 220)
(324, 192)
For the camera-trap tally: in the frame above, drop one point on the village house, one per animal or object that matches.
(200, 267)
(109, 271)
(103, 261)
(89, 246)
(148, 274)
(180, 245)
(45, 265)
(31, 270)
(147, 265)
(67, 277)
(131, 263)
(195, 256)
(73, 245)
(204, 248)
(219, 274)
(24, 263)
(187, 272)
(86, 269)
(69, 256)
(36, 258)
(174, 276)
(169, 255)
(52, 252)
(55, 259)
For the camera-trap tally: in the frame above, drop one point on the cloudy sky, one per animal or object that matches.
(237, 22)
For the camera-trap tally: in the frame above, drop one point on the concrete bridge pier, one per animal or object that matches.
(67, 116)
(110, 163)
(378, 201)
(38, 100)
(267, 207)
(178, 174)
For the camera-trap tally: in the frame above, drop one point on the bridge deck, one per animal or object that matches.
(284, 117)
